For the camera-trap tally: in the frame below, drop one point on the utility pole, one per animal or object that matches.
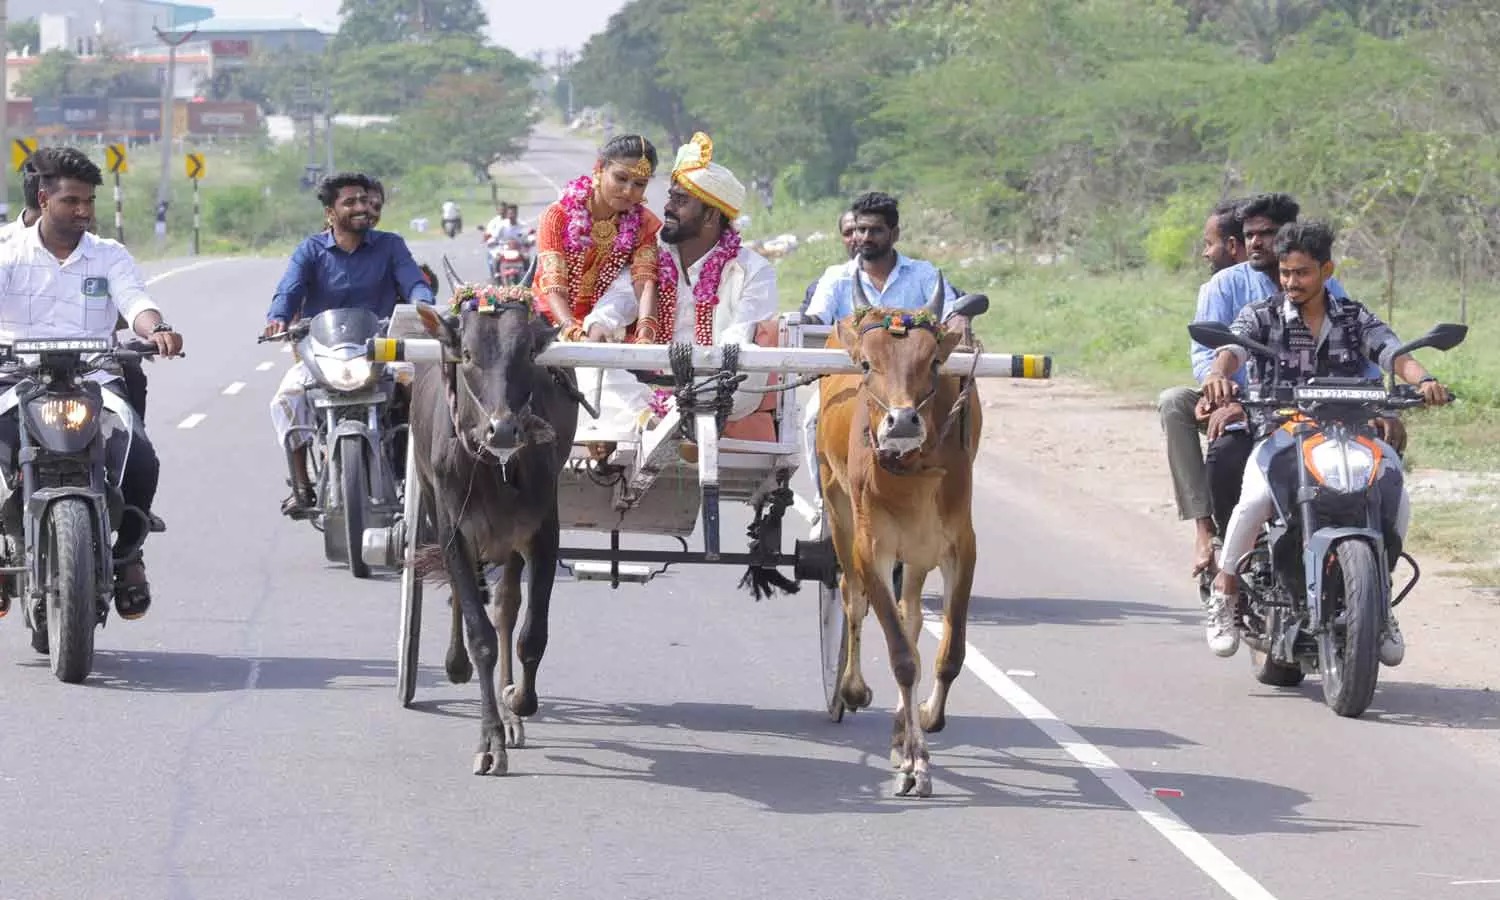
(5, 113)
(164, 191)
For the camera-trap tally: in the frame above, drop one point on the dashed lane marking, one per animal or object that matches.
(192, 421)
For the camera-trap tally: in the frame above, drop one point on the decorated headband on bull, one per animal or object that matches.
(929, 317)
(487, 298)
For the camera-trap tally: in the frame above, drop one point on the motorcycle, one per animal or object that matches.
(509, 262)
(63, 504)
(1317, 586)
(357, 456)
(451, 227)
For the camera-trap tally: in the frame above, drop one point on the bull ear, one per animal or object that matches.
(848, 335)
(436, 325)
(949, 342)
(542, 335)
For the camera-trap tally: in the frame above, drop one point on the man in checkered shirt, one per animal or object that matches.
(1314, 335)
(59, 281)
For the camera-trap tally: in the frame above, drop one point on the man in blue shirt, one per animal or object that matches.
(888, 278)
(1208, 486)
(348, 266)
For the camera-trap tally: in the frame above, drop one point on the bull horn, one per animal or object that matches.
(861, 302)
(939, 294)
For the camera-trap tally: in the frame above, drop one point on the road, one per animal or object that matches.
(243, 740)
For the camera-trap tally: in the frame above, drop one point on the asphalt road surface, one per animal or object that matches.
(244, 740)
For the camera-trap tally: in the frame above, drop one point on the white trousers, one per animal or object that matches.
(290, 409)
(1256, 507)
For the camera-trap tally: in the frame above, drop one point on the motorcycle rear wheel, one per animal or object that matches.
(1351, 666)
(72, 595)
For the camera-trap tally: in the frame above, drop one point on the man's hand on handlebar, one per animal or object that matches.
(168, 343)
(1434, 393)
(274, 328)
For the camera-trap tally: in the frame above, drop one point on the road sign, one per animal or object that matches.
(21, 149)
(115, 158)
(195, 166)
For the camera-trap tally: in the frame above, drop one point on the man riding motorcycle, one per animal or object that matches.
(57, 280)
(350, 265)
(453, 220)
(1315, 334)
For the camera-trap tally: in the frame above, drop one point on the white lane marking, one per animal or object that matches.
(1198, 850)
(1477, 881)
(190, 267)
(192, 421)
(234, 388)
(542, 175)
(286, 348)
(804, 509)
(264, 367)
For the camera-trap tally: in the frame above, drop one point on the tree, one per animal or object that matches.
(622, 67)
(367, 23)
(59, 73)
(478, 120)
(24, 34)
(384, 79)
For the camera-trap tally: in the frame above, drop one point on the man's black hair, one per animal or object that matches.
(377, 188)
(628, 147)
(330, 186)
(53, 164)
(1229, 218)
(1279, 208)
(1313, 238)
(876, 203)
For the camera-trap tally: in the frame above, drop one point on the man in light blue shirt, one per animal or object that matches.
(1207, 486)
(887, 278)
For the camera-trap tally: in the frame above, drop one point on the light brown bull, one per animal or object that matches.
(897, 452)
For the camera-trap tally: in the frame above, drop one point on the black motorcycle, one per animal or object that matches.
(1318, 582)
(359, 441)
(63, 504)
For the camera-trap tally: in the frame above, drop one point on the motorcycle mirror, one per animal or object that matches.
(1216, 334)
(969, 306)
(1443, 337)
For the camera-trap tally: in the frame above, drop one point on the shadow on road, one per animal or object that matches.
(199, 673)
(1435, 706)
(1011, 611)
(977, 762)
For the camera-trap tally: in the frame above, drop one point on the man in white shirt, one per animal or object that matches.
(31, 212)
(59, 281)
(722, 291)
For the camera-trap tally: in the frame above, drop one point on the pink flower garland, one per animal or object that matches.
(578, 236)
(705, 292)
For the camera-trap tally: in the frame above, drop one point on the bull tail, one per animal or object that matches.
(430, 564)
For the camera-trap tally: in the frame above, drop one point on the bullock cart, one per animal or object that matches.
(673, 477)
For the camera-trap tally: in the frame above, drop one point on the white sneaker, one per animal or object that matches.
(1223, 637)
(1392, 645)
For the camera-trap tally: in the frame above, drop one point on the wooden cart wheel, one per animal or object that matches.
(408, 644)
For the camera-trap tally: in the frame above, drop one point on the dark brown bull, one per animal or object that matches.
(897, 447)
(492, 432)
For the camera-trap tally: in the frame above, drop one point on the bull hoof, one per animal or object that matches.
(913, 784)
(515, 734)
(521, 704)
(932, 721)
(459, 669)
(490, 760)
(857, 697)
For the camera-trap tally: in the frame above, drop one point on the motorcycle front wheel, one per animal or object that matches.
(72, 595)
(1349, 647)
(356, 496)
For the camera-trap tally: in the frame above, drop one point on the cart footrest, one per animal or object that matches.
(630, 573)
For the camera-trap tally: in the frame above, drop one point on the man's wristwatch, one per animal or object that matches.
(1426, 379)
(161, 327)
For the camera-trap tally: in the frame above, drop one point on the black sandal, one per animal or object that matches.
(132, 600)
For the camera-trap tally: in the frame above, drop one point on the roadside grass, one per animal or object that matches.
(1126, 333)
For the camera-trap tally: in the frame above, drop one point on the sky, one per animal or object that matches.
(520, 25)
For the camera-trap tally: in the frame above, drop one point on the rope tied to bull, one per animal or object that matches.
(714, 392)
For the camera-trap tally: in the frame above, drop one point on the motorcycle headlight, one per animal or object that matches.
(346, 374)
(67, 413)
(1344, 465)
